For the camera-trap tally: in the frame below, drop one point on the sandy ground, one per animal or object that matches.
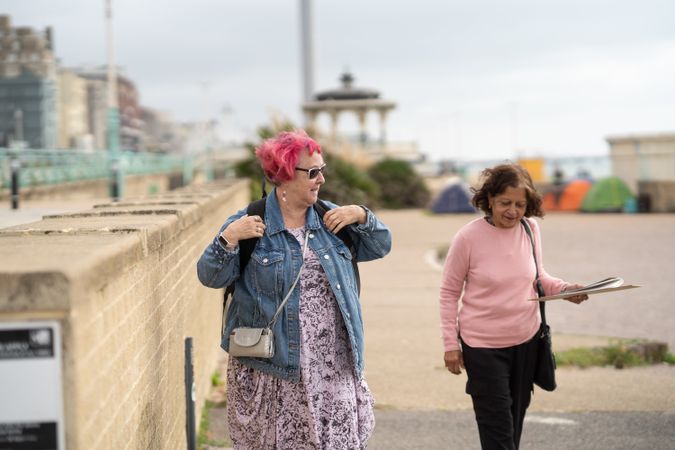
(404, 364)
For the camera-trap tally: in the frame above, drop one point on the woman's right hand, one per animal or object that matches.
(244, 227)
(454, 361)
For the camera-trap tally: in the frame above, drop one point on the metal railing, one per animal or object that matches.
(44, 166)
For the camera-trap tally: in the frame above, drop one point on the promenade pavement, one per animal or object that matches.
(33, 210)
(404, 356)
(422, 406)
(419, 405)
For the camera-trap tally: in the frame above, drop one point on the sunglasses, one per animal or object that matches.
(313, 172)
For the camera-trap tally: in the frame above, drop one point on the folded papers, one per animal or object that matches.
(610, 284)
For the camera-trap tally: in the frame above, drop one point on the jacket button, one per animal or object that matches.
(265, 260)
(326, 257)
(311, 235)
(338, 286)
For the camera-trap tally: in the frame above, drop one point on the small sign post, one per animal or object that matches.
(190, 425)
(31, 388)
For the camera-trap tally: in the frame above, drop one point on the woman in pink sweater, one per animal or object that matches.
(490, 333)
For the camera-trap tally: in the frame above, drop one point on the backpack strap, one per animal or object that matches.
(321, 208)
(246, 247)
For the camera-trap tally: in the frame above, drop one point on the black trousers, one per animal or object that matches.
(500, 385)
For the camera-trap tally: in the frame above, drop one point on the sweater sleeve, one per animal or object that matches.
(454, 273)
(552, 285)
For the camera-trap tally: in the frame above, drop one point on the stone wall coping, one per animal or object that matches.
(41, 263)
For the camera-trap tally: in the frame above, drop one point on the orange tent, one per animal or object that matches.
(573, 195)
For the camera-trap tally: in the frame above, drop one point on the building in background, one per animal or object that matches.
(73, 111)
(97, 111)
(643, 157)
(46, 106)
(28, 86)
(131, 122)
(160, 132)
(646, 162)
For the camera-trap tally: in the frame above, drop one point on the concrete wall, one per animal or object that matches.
(661, 195)
(121, 280)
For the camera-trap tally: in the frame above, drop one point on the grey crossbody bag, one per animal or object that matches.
(259, 342)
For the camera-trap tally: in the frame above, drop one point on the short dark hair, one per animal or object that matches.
(497, 179)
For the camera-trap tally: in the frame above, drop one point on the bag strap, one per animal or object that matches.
(540, 288)
(283, 303)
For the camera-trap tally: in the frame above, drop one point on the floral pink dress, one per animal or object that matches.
(329, 408)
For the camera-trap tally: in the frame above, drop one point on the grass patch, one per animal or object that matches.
(580, 357)
(215, 379)
(442, 253)
(669, 359)
(627, 353)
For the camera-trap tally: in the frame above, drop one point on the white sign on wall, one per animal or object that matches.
(31, 389)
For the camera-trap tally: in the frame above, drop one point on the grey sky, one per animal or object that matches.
(473, 79)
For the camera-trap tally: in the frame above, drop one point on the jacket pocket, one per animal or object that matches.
(267, 268)
(345, 258)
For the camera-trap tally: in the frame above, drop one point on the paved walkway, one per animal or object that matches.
(32, 211)
(404, 365)
(422, 406)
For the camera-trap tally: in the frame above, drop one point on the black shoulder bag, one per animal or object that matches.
(544, 369)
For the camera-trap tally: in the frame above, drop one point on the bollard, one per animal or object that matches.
(15, 166)
(114, 182)
(190, 431)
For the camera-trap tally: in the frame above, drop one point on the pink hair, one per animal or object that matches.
(279, 155)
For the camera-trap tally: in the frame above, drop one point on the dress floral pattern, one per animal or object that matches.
(330, 407)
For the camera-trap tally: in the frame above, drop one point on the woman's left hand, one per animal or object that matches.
(338, 218)
(575, 298)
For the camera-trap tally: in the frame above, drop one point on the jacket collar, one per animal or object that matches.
(274, 221)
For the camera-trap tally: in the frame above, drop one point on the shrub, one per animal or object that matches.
(400, 186)
(346, 184)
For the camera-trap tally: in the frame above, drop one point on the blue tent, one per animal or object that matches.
(454, 198)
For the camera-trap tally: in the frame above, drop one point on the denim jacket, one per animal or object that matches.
(271, 271)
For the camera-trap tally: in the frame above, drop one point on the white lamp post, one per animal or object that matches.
(117, 178)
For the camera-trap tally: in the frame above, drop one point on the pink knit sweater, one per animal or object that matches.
(496, 269)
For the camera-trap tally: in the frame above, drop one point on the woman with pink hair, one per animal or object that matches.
(300, 280)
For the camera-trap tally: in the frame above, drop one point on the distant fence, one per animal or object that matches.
(40, 167)
(66, 174)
